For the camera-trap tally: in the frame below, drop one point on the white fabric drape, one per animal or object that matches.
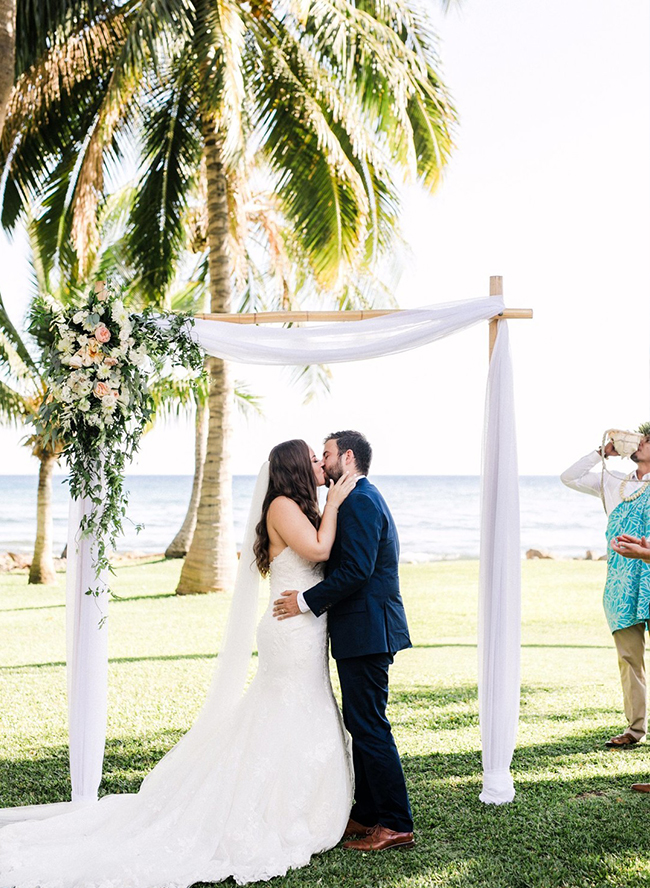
(500, 568)
(337, 343)
(87, 672)
(500, 580)
(87, 658)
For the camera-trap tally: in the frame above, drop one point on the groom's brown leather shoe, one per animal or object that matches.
(354, 829)
(380, 838)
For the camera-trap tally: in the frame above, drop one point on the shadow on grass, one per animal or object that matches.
(535, 646)
(567, 827)
(114, 601)
(118, 660)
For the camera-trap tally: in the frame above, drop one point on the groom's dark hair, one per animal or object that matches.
(357, 443)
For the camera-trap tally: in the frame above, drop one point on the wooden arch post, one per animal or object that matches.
(496, 292)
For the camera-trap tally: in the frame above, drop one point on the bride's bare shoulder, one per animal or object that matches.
(282, 506)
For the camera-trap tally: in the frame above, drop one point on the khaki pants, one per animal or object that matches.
(630, 645)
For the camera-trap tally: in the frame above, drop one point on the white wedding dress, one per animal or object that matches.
(260, 794)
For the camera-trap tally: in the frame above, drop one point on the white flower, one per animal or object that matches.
(66, 394)
(138, 355)
(119, 314)
(84, 405)
(110, 400)
(84, 387)
(79, 317)
(93, 420)
(76, 362)
(103, 372)
(82, 340)
(123, 398)
(66, 341)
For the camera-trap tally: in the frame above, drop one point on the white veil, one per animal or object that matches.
(177, 770)
(229, 679)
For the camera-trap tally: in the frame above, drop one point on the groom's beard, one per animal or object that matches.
(333, 474)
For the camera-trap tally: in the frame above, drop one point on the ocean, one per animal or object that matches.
(437, 515)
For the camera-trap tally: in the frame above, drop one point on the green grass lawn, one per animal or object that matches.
(574, 821)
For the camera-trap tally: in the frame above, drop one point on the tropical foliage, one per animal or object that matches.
(97, 362)
(276, 133)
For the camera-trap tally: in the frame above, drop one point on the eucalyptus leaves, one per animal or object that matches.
(98, 401)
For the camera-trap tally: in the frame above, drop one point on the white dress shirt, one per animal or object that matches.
(580, 477)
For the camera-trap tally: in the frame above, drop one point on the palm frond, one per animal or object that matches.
(13, 406)
(247, 403)
(13, 351)
(314, 380)
(38, 20)
(172, 147)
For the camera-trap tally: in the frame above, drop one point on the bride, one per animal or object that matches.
(263, 779)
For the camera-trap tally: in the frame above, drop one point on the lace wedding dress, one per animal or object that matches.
(268, 788)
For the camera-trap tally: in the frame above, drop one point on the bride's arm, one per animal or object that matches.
(290, 523)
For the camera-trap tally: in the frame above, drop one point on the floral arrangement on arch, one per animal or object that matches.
(97, 364)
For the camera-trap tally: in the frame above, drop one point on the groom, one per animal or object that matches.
(367, 626)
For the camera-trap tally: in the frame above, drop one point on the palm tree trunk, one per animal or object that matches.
(7, 54)
(42, 569)
(211, 560)
(180, 545)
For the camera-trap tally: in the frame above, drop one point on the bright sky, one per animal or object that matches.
(549, 187)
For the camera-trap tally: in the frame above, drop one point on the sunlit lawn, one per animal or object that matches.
(574, 821)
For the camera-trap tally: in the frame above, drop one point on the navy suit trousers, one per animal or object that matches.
(380, 790)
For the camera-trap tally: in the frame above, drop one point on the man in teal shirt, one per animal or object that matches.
(626, 598)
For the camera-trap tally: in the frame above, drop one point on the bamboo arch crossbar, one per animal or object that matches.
(306, 317)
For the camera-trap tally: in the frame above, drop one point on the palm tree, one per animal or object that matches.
(22, 383)
(7, 53)
(22, 389)
(320, 107)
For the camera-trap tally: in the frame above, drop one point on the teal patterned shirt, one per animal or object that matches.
(627, 590)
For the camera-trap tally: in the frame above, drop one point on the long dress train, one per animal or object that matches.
(264, 792)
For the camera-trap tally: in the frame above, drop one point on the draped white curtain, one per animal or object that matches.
(500, 553)
(499, 632)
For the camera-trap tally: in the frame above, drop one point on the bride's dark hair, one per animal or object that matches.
(290, 474)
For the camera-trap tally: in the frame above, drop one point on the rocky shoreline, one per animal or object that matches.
(20, 562)
(544, 555)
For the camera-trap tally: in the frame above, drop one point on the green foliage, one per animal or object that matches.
(644, 428)
(98, 403)
(323, 108)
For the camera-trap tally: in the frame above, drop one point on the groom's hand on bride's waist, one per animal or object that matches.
(287, 605)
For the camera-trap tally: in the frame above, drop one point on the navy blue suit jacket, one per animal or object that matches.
(360, 591)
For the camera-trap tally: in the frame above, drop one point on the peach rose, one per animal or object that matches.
(101, 389)
(102, 333)
(94, 351)
(110, 362)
